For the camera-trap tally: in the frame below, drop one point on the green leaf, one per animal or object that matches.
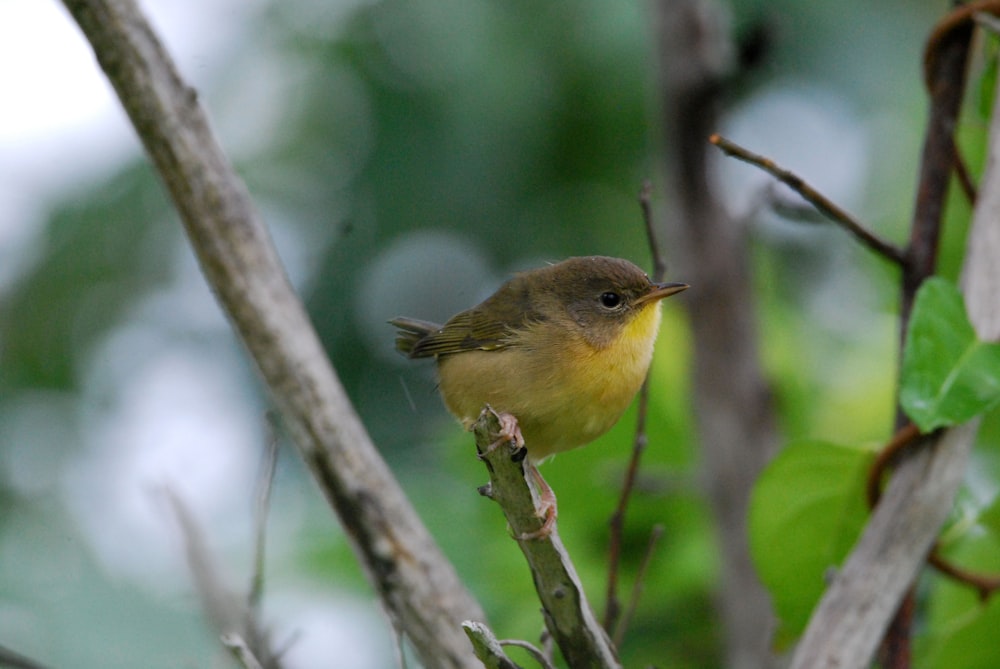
(957, 620)
(989, 518)
(964, 640)
(948, 375)
(806, 511)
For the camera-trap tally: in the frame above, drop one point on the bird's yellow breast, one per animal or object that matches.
(564, 391)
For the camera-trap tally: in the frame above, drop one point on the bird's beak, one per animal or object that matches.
(660, 291)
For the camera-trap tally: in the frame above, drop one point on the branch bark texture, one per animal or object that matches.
(417, 584)
(568, 615)
(732, 399)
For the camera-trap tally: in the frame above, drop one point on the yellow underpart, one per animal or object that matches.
(564, 391)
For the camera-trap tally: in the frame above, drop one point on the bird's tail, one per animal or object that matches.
(411, 331)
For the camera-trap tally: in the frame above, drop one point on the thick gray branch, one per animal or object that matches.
(568, 615)
(731, 397)
(852, 617)
(417, 584)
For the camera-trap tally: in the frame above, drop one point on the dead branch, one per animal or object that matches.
(486, 646)
(415, 581)
(824, 205)
(568, 615)
(731, 397)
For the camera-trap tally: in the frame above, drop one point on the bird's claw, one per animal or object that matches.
(509, 432)
(547, 513)
(545, 508)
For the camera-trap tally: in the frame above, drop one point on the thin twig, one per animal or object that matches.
(486, 647)
(240, 650)
(612, 606)
(823, 204)
(646, 204)
(960, 18)
(887, 455)
(224, 609)
(984, 584)
(532, 650)
(965, 180)
(640, 577)
(945, 60)
(265, 484)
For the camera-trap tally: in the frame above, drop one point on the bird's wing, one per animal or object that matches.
(490, 326)
(411, 331)
(468, 331)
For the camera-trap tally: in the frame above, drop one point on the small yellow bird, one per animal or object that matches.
(563, 348)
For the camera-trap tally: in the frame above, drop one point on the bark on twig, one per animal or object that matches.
(241, 651)
(568, 615)
(231, 616)
(417, 584)
(732, 399)
(486, 646)
(823, 204)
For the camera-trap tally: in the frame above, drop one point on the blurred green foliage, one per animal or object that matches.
(409, 155)
(807, 510)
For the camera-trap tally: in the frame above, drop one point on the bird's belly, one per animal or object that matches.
(560, 401)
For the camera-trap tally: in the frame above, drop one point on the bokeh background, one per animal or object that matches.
(408, 155)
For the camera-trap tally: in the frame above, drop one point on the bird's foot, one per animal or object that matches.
(510, 431)
(545, 508)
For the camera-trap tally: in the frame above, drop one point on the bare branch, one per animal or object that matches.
(417, 584)
(265, 483)
(823, 204)
(731, 398)
(233, 618)
(646, 204)
(567, 612)
(532, 650)
(957, 22)
(238, 647)
(640, 577)
(904, 438)
(225, 610)
(486, 646)
(616, 523)
(984, 584)
(945, 59)
(853, 614)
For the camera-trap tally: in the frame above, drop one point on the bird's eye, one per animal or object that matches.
(610, 300)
